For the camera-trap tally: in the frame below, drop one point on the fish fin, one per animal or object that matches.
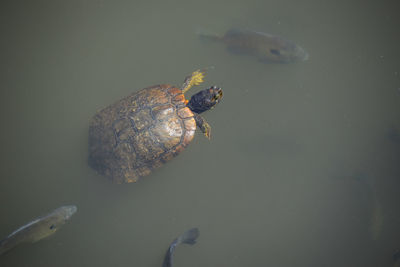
(208, 36)
(189, 237)
(236, 32)
(3, 248)
(243, 33)
(6, 244)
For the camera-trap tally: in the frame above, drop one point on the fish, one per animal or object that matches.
(38, 229)
(377, 217)
(188, 237)
(266, 47)
(396, 258)
(376, 220)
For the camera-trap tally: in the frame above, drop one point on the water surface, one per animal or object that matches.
(276, 186)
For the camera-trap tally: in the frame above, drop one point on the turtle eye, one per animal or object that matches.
(53, 226)
(216, 92)
(217, 96)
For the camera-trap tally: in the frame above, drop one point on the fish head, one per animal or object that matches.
(68, 211)
(284, 51)
(64, 213)
(58, 218)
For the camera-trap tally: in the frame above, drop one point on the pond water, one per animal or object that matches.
(303, 165)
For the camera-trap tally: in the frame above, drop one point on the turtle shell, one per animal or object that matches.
(140, 132)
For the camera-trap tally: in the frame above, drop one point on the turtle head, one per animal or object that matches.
(205, 99)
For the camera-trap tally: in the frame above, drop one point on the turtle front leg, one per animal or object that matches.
(196, 78)
(203, 125)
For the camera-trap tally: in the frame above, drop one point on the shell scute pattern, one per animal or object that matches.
(140, 132)
(163, 112)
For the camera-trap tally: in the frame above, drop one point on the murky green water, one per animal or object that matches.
(303, 166)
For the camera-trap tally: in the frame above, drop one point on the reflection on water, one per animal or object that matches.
(261, 189)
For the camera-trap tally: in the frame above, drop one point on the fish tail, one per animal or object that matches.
(189, 237)
(2, 247)
(6, 244)
(208, 36)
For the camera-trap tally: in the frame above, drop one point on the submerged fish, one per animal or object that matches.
(188, 237)
(376, 220)
(396, 258)
(266, 47)
(38, 229)
(377, 216)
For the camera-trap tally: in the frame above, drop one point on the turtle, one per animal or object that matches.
(144, 130)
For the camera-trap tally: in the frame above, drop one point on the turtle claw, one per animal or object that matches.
(196, 78)
(207, 133)
(203, 125)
